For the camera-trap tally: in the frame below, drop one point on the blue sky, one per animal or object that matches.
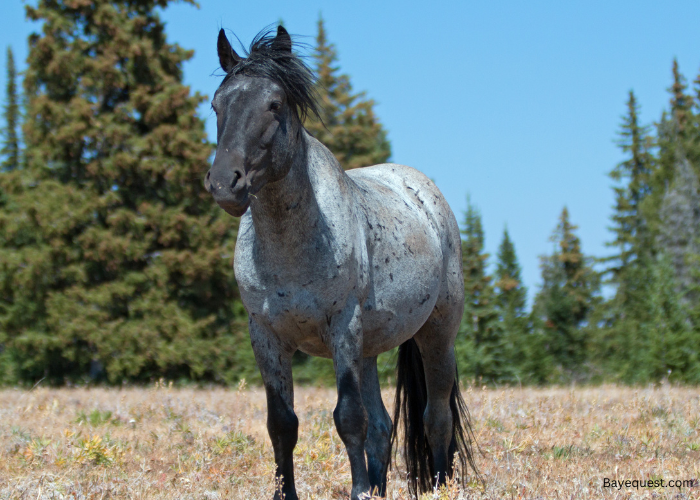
(515, 103)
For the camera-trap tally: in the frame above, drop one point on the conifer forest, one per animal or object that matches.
(115, 264)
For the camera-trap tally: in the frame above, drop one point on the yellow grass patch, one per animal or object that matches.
(166, 443)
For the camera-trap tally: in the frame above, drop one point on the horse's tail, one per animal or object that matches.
(462, 435)
(411, 400)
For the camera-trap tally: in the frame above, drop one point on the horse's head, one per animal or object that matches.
(260, 106)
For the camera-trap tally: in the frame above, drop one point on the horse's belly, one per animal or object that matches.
(392, 316)
(383, 329)
(386, 330)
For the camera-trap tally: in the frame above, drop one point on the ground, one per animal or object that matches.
(167, 443)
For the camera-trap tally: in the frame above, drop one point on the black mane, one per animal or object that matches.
(268, 60)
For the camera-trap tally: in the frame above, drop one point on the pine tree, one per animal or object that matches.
(350, 129)
(618, 344)
(649, 333)
(567, 297)
(511, 293)
(674, 204)
(676, 136)
(649, 328)
(681, 102)
(480, 345)
(511, 297)
(115, 259)
(632, 238)
(10, 143)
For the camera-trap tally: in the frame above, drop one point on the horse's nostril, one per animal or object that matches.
(207, 182)
(236, 175)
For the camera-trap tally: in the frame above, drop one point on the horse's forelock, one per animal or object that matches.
(267, 59)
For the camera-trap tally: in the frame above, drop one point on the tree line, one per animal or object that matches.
(115, 264)
(648, 330)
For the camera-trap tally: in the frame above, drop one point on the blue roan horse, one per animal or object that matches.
(339, 265)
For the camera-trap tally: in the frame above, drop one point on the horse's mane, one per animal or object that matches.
(266, 59)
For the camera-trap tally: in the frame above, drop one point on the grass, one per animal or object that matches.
(167, 443)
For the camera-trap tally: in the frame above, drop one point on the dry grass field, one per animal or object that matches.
(168, 443)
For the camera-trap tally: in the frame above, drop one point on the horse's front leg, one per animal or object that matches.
(275, 363)
(350, 416)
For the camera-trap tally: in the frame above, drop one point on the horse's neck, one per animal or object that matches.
(287, 212)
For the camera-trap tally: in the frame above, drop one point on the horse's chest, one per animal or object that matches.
(294, 298)
(292, 308)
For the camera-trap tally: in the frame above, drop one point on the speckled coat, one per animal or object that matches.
(380, 237)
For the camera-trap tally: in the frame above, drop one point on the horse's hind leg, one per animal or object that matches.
(377, 445)
(435, 340)
(275, 363)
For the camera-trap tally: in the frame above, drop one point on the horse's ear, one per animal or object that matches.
(227, 56)
(282, 41)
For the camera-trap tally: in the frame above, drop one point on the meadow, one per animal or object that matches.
(163, 442)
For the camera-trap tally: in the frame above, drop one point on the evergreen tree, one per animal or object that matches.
(676, 136)
(646, 329)
(480, 346)
(632, 238)
(511, 296)
(511, 293)
(567, 297)
(115, 259)
(649, 329)
(350, 129)
(681, 102)
(619, 343)
(10, 143)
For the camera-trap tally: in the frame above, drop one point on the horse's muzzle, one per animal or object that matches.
(231, 195)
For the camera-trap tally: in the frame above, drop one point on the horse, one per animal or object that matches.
(342, 265)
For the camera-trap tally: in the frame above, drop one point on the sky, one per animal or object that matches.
(514, 104)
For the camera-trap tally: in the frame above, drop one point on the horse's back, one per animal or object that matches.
(416, 193)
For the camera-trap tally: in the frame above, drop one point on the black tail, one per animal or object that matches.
(411, 399)
(410, 403)
(462, 434)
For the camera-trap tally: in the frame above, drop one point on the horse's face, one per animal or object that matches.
(254, 127)
(253, 140)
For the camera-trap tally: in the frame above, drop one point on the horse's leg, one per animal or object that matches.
(377, 445)
(435, 340)
(275, 363)
(345, 334)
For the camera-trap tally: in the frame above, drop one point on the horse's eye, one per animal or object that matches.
(275, 106)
